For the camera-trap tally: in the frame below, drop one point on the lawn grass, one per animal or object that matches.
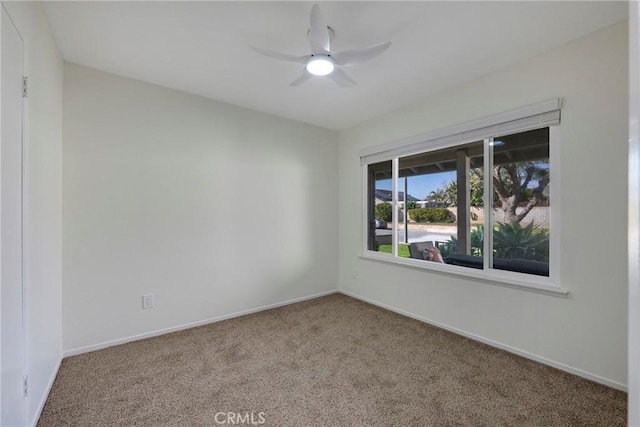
(403, 250)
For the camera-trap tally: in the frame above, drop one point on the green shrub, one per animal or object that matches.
(524, 242)
(477, 243)
(509, 241)
(412, 205)
(384, 211)
(431, 215)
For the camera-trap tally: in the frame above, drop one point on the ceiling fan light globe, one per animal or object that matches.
(320, 65)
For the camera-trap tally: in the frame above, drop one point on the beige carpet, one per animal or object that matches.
(332, 361)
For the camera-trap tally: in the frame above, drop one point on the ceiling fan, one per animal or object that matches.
(321, 62)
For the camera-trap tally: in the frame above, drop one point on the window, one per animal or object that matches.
(474, 199)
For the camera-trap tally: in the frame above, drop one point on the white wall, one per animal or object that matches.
(43, 216)
(214, 209)
(586, 332)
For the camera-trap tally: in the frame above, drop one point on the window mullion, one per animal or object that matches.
(488, 205)
(394, 206)
(368, 205)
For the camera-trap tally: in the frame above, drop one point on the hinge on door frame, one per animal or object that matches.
(25, 386)
(25, 87)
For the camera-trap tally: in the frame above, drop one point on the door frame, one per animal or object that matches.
(24, 217)
(634, 217)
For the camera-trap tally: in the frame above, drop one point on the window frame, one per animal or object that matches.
(545, 114)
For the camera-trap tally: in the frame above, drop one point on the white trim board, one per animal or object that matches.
(530, 117)
(100, 346)
(634, 217)
(525, 354)
(45, 396)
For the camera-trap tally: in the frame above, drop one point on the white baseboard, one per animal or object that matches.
(525, 354)
(45, 396)
(519, 352)
(94, 347)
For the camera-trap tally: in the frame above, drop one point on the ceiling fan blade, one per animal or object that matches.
(340, 78)
(282, 56)
(358, 56)
(319, 33)
(303, 78)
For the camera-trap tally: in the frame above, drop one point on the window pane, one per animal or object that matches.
(521, 202)
(379, 207)
(444, 191)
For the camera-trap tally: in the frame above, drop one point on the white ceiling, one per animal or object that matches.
(203, 47)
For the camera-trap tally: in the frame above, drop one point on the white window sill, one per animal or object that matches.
(526, 282)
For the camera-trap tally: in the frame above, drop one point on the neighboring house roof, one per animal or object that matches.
(385, 196)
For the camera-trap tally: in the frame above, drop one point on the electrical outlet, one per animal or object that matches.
(147, 301)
